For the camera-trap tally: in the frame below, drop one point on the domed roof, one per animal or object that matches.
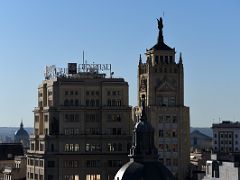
(143, 171)
(143, 164)
(143, 126)
(21, 132)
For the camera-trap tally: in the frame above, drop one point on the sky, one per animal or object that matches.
(34, 34)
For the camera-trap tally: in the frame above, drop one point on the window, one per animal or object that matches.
(114, 117)
(168, 119)
(156, 59)
(66, 102)
(168, 162)
(174, 147)
(93, 163)
(174, 119)
(51, 163)
(161, 59)
(166, 59)
(76, 102)
(66, 147)
(174, 133)
(161, 147)
(109, 102)
(71, 164)
(93, 177)
(161, 133)
(236, 136)
(119, 147)
(119, 102)
(160, 119)
(46, 118)
(93, 147)
(87, 102)
(46, 131)
(112, 147)
(115, 163)
(76, 148)
(215, 135)
(165, 101)
(36, 118)
(172, 101)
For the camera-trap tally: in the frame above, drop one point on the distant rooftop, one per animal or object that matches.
(227, 124)
(9, 150)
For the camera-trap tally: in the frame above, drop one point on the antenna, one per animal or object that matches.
(163, 14)
(83, 56)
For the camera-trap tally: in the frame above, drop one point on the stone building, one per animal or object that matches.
(82, 125)
(223, 167)
(226, 137)
(161, 81)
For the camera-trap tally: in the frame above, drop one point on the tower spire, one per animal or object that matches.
(21, 124)
(140, 59)
(160, 28)
(180, 58)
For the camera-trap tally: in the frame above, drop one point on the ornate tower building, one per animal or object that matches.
(161, 81)
(82, 125)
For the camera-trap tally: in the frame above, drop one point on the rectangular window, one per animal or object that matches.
(93, 177)
(161, 133)
(51, 164)
(168, 162)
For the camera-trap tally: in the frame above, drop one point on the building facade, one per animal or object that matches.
(226, 137)
(161, 81)
(82, 126)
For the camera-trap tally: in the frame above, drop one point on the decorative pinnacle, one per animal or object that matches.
(180, 58)
(140, 59)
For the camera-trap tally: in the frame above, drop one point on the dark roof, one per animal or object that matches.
(144, 171)
(161, 46)
(9, 150)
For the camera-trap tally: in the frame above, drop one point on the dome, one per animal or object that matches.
(143, 164)
(143, 126)
(22, 136)
(143, 171)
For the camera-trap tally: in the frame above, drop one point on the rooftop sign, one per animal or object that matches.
(74, 68)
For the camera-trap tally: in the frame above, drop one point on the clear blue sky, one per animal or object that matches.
(38, 33)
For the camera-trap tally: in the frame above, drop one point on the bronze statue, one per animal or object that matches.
(160, 24)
